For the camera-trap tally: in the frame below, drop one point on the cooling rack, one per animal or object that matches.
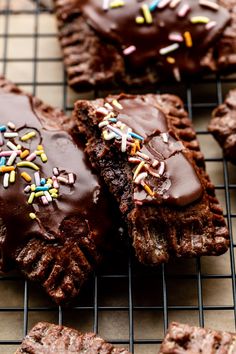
(124, 302)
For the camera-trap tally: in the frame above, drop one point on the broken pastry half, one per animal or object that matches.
(45, 338)
(54, 213)
(146, 150)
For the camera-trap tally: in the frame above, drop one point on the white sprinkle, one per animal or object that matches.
(129, 50)
(184, 10)
(174, 3)
(140, 177)
(108, 106)
(37, 178)
(48, 196)
(123, 142)
(1, 139)
(170, 48)
(210, 25)
(134, 160)
(27, 189)
(161, 168)
(11, 146)
(144, 156)
(55, 171)
(163, 4)
(10, 135)
(212, 5)
(153, 173)
(177, 74)
(105, 5)
(11, 125)
(44, 200)
(175, 37)
(103, 124)
(6, 180)
(117, 104)
(62, 179)
(12, 159)
(102, 110)
(155, 163)
(71, 178)
(31, 157)
(165, 137)
(115, 130)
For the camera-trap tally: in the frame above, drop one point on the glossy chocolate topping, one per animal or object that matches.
(168, 26)
(174, 179)
(84, 199)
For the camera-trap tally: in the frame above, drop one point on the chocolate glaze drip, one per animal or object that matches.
(84, 200)
(118, 25)
(179, 184)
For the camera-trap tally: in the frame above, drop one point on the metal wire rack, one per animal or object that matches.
(124, 302)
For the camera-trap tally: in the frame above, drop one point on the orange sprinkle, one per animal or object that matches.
(7, 168)
(170, 60)
(26, 176)
(148, 190)
(24, 154)
(188, 39)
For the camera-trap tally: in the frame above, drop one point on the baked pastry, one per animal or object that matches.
(47, 338)
(52, 206)
(185, 339)
(223, 126)
(165, 39)
(147, 152)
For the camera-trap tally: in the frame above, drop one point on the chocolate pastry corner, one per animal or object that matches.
(185, 339)
(223, 126)
(45, 338)
(146, 150)
(166, 39)
(53, 209)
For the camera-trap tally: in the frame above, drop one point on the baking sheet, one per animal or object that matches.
(187, 290)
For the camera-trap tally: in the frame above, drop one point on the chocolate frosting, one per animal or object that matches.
(179, 184)
(84, 199)
(119, 26)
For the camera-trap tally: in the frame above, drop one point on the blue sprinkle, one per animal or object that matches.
(136, 136)
(2, 161)
(43, 181)
(41, 189)
(153, 5)
(113, 120)
(3, 128)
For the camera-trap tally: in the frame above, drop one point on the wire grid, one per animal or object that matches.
(126, 303)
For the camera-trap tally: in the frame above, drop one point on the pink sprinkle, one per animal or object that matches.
(1, 140)
(27, 189)
(8, 153)
(44, 200)
(175, 37)
(129, 50)
(177, 74)
(163, 4)
(105, 5)
(55, 171)
(184, 10)
(55, 183)
(37, 178)
(210, 25)
(71, 178)
(31, 157)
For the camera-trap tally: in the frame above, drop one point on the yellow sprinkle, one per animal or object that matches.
(139, 20)
(146, 13)
(31, 198)
(12, 176)
(39, 194)
(138, 169)
(40, 147)
(188, 39)
(44, 157)
(32, 216)
(148, 190)
(28, 136)
(28, 164)
(24, 154)
(7, 168)
(18, 147)
(33, 187)
(26, 176)
(54, 195)
(53, 190)
(170, 60)
(39, 152)
(116, 3)
(199, 19)
(117, 104)
(49, 181)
